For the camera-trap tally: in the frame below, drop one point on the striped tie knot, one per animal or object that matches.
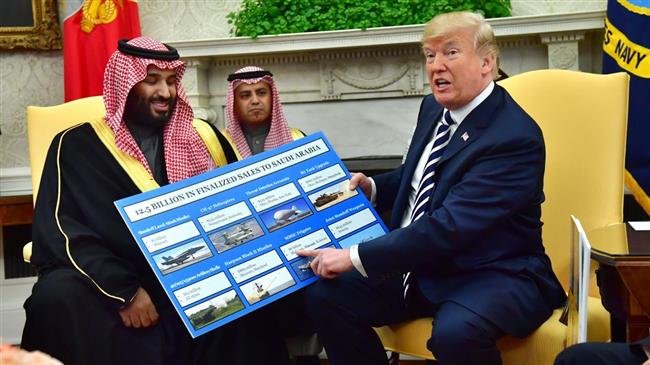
(447, 119)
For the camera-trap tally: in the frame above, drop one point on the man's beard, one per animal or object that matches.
(138, 110)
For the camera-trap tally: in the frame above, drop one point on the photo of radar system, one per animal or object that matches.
(285, 214)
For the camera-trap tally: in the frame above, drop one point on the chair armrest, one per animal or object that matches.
(27, 252)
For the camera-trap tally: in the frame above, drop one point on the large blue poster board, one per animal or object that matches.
(223, 243)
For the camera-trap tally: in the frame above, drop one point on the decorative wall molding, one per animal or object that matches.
(563, 49)
(371, 77)
(373, 37)
(562, 37)
(15, 181)
(516, 43)
(262, 60)
(339, 65)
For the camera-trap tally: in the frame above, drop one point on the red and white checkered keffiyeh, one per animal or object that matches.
(279, 132)
(185, 153)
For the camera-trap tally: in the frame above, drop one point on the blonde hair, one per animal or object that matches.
(484, 40)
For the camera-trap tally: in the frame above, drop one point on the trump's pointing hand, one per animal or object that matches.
(328, 262)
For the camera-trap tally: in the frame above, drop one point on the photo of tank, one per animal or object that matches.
(332, 195)
(326, 198)
(214, 309)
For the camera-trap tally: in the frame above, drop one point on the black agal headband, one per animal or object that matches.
(249, 75)
(129, 49)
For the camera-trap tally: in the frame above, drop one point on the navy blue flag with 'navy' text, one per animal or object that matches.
(626, 47)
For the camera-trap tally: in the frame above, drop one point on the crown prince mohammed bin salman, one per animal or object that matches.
(97, 300)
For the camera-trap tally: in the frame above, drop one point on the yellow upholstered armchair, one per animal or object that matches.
(584, 118)
(43, 123)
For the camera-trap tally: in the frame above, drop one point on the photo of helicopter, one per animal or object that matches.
(236, 235)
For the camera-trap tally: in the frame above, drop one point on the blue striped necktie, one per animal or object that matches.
(425, 188)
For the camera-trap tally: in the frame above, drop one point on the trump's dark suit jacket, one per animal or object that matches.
(480, 242)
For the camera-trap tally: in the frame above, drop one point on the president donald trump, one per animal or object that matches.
(466, 238)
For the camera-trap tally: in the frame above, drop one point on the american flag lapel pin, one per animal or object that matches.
(465, 136)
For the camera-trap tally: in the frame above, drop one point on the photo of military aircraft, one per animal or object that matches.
(182, 257)
(236, 235)
(241, 234)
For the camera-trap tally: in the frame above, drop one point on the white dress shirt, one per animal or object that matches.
(458, 115)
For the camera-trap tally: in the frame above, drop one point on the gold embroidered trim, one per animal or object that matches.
(211, 142)
(58, 221)
(136, 171)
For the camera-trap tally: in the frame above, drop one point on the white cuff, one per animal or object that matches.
(373, 193)
(645, 348)
(356, 260)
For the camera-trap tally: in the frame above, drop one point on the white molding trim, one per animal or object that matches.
(406, 34)
(15, 181)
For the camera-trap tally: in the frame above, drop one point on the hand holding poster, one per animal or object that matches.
(224, 243)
